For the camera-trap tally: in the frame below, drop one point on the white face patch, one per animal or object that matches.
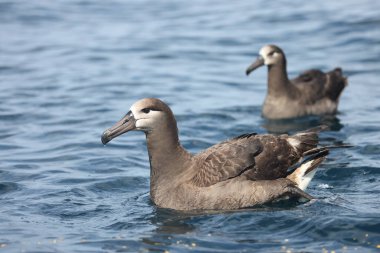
(133, 109)
(146, 120)
(265, 51)
(268, 59)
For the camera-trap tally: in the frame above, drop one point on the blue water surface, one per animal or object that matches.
(70, 69)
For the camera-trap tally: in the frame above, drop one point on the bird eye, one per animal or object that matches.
(145, 110)
(271, 53)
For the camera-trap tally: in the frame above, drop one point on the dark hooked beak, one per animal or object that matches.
(258, 63)
(127, 123)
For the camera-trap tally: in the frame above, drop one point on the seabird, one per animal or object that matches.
(313, 92)
(245, 171)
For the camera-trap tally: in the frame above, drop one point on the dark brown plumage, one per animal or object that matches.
(244, 171)
(311, 93)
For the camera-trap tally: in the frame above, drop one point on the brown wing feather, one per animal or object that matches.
(277, 156)
(315, 84)
(311, 85)
(257, 157)
(227, 160)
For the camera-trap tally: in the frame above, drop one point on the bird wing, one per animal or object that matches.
(227, 160)
(315, 84)
(257, 157)
(277, 156)
(311, 84)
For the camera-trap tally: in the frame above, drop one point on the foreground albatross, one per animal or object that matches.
(241, 172)
(311, 93)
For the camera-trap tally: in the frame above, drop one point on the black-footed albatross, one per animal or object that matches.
(241, 172)
(313, 92)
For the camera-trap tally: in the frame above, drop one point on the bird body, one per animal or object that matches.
(240, 172)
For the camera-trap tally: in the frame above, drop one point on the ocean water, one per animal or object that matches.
(70, 69)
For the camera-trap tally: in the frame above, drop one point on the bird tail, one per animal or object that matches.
(306, 170)
(306, 140)
(339, 74)
(336, 84)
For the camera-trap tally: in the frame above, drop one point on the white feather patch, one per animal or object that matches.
(301, 179)
(294, 142)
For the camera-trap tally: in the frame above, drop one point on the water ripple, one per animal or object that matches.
(70, 69)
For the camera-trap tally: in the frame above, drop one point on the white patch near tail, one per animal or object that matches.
(299, 177)
(294, 142)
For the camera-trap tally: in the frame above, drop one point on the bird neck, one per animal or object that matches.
(166, 155)
(278, 82)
